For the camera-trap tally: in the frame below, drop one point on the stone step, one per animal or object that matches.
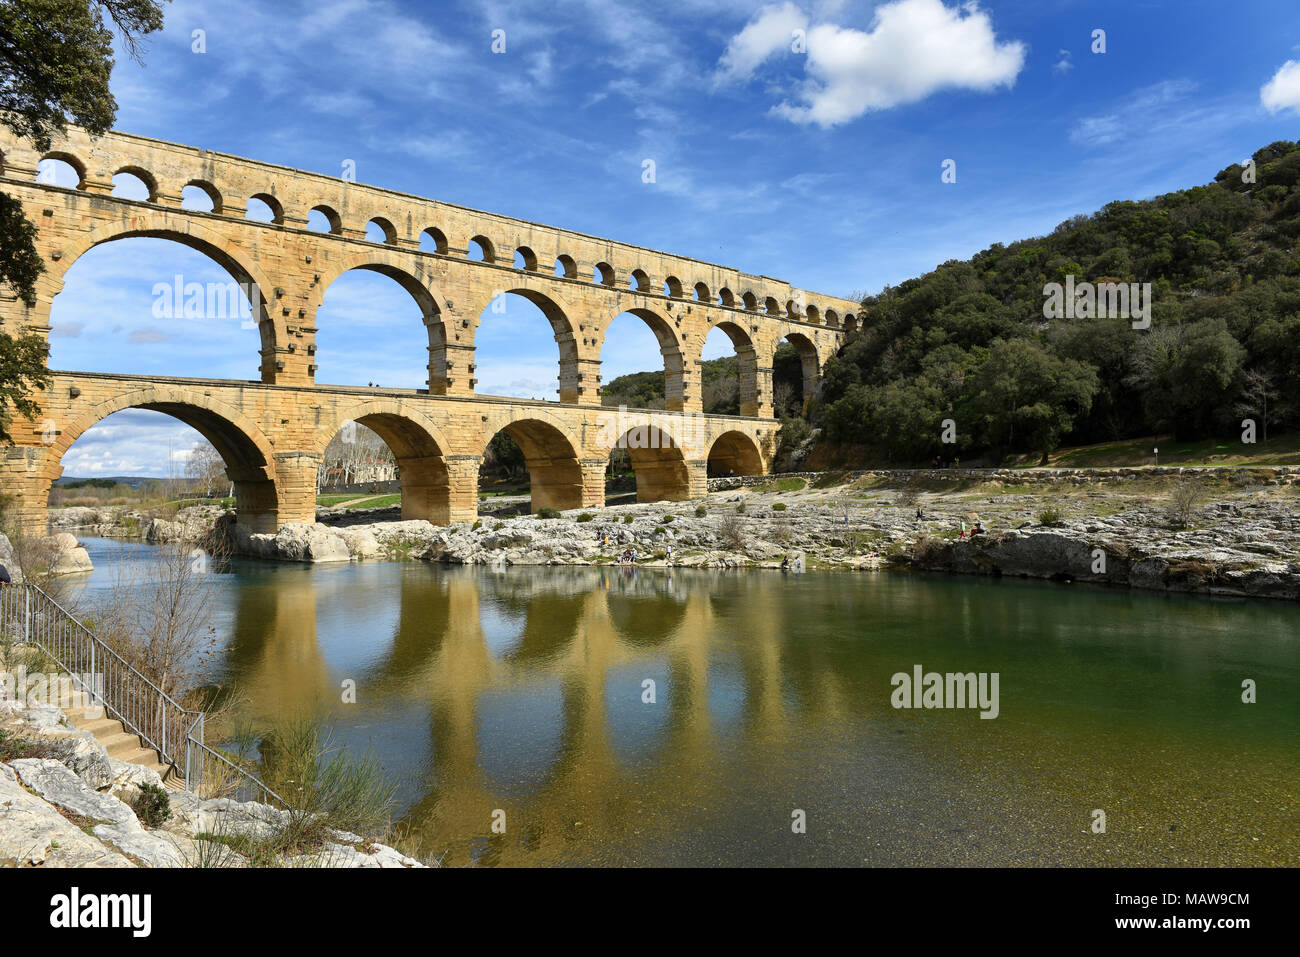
(122, 744)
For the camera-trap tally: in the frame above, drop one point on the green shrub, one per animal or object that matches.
(1050, 516)
(498, 526)
(477, 525)
(547, 512)
(627, 519)
(701, 511)
(778, 506)
(152, 806)
(740, 509)
(669, 518)
(586, 517)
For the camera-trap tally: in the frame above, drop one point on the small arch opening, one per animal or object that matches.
(525, 259)
(133, 184)
(200, 197)
(264, 208)
(480, 249)
(380, 230)
(639, 281)
(603, 274)
(323, 219)
(701, 292)
(432, 240)
(673, 287)
(60, 169)
(566, 268)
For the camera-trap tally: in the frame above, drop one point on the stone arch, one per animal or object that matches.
(603, 274)
(246, 451)
(209, 190)
(673, 287)
(276, 207)
(144, 176)
(832, 318)
(331, 216)
(385, 227)
(813, 314)
(752, 396)
(850, 323)
(61, 156)
(735, 453)
(438, 238)
(486, 245)
(726, 297)
(771, 306)
(189, 231)
(639, 280)
(528, 259)
(670, 347)
(551, 454)
(750, 301)
(566, 266)
(557, 314)
(442, 366)
(657, 459)
(417, 444)
(810, 361)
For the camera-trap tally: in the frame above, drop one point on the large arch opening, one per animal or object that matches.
(379, 327)
(380, 455)
(195, 312)
(729, 371)
(657, 460)
(734, 453)
(170, 450)
(550, 461)
(519, 335)
(796, 374)
(628, 374)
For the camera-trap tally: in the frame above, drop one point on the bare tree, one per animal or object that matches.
(1259, 390)
(159, 614)
(205, 468)
(357, 454)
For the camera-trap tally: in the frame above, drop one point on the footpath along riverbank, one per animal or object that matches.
(1211, 531)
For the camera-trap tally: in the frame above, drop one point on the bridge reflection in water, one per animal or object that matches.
(522, 691)
(526, 690)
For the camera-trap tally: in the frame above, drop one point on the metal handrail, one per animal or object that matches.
(175, 733)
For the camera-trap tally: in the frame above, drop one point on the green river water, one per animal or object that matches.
(524, 691)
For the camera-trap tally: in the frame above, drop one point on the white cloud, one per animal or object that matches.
(1283, 91)
(913, 48)
(1065, 64)
(772, 30)
(1148, 108)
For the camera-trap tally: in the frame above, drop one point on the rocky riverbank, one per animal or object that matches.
(69, 804)
(1233, 533)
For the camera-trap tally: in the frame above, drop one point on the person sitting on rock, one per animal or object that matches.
(4, 576)
(978, 529)
(785, 563)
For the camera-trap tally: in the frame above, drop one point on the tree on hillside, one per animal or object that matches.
(56, 57)
(1026, 398)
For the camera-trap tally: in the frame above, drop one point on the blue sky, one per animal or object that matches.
(799, 140)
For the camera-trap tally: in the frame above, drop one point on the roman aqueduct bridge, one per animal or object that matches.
(272, 431)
